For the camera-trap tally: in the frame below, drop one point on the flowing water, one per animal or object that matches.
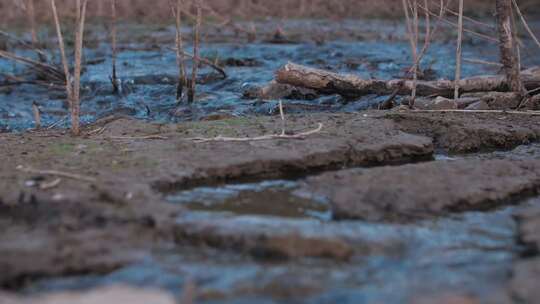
(147, 71)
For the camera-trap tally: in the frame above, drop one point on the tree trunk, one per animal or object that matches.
(507, 45)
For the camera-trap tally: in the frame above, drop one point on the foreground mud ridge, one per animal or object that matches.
(243, 152)
(371, 198)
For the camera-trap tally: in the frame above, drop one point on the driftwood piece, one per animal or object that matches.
(353, 86)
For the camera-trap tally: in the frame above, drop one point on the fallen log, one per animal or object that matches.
(348, 85)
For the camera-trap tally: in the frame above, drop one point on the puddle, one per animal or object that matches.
(273, 198)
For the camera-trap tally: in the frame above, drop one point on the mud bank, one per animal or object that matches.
(116, 222)
(465, 133)
(425, 190)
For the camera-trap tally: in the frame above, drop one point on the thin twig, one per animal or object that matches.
(61, 45)
(207, 62)
(302, 135)
(40, 67)
(114, 78)
(459, 51)
(484, 62)
(465, 30)
(57, 123)
(525, 24)
(149, 137)
(196, 41)
(56, 173)
(180, 60)
(477, 22)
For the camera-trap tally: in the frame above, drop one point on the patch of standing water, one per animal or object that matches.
(463, 253)
(274, 197)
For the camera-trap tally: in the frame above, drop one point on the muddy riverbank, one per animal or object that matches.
(152, 207)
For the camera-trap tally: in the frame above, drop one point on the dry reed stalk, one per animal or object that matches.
(465, 30)
(196, 50)
(79, 37)
(180, 59)
(37, 115)
(427, 26)
(415, 52)
(477, 22)
(525, 23)
(483, 62)
(73, 82)
(459, 50)
(412, 33)
(114, 77)
(507, 46)
(62, 48)
(202, 60)
(31, 14)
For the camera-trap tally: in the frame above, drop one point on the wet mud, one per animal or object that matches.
(375, 207)
(163, 212)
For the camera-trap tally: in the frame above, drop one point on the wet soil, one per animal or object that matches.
(433, 207)
(425, 190)
(165, 209)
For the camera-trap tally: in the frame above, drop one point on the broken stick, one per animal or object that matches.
(348, 85)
